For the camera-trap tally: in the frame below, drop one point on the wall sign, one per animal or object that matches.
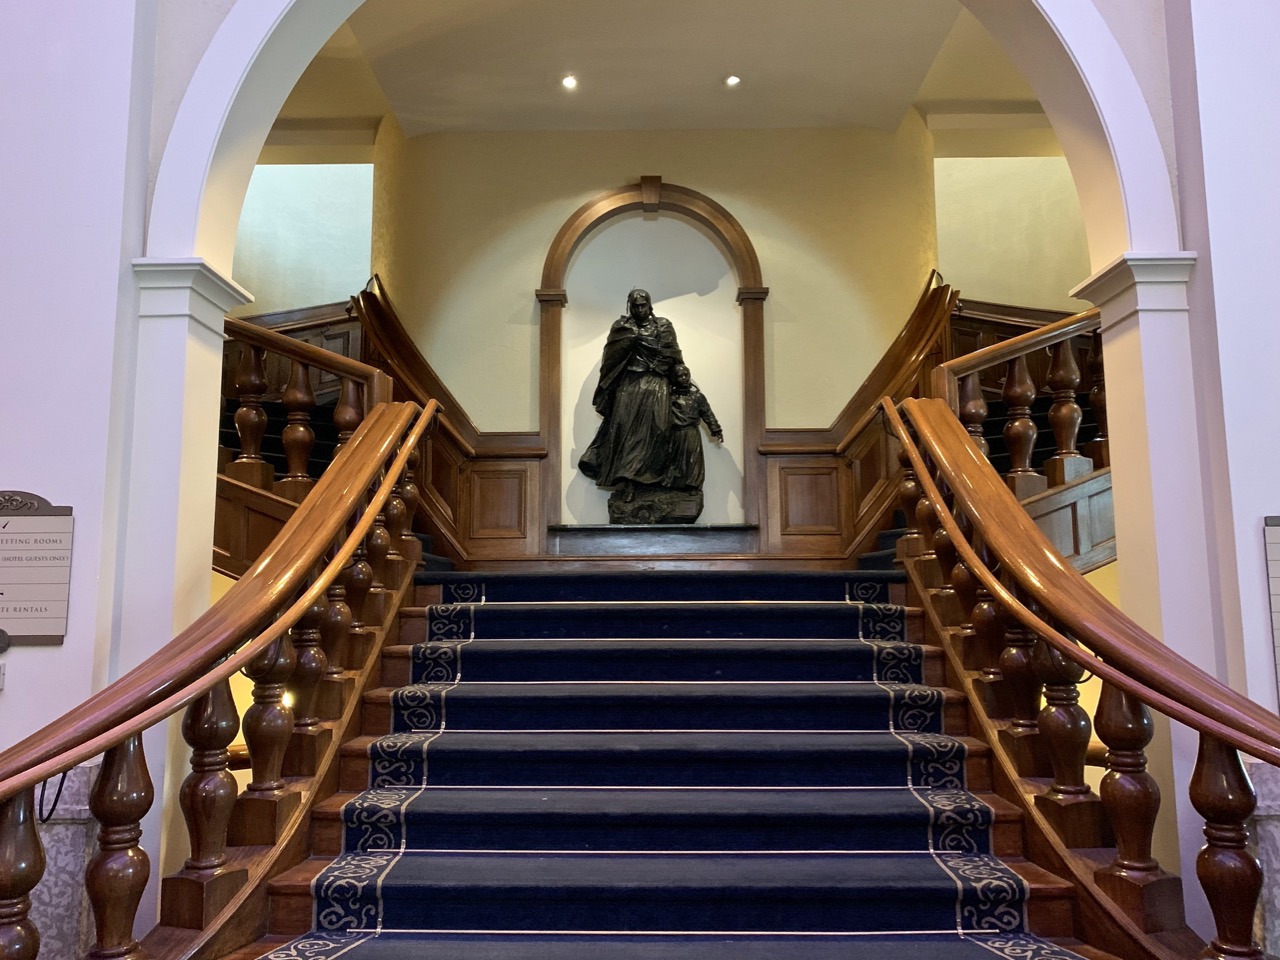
(35, 569)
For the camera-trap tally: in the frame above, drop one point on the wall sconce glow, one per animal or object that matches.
(732, 81)
(570, 82)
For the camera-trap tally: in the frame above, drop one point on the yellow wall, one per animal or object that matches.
(1010, 230)
(843, 221)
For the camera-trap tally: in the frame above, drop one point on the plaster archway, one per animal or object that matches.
(1064, 48)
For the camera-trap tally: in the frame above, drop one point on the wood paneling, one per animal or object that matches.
(497, 502)
(245, 521)
(1078, 518)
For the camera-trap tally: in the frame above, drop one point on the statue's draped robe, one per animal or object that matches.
(634, 397)
(686, 467)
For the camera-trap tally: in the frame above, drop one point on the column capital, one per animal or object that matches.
(186, 288)
(1147, 282)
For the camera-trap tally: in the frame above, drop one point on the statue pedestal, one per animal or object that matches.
(654, 505)
(651, 539)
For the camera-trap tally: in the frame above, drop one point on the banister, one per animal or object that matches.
(378, 386)
(1115, 647)
(188, 666)
(946, 376)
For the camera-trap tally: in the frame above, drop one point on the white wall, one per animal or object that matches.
(693, 285)
(1010, 230)
(843, 222)
(304, 235)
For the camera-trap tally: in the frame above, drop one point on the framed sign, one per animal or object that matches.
(35, 569)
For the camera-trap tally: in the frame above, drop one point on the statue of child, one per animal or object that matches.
(686, 468)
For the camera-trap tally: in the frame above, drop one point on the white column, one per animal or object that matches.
(1168, 573)
(166, 539)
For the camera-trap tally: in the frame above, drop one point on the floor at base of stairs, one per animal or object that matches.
(628, 946)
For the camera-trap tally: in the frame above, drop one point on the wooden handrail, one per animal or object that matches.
(209, 651)
(947, 376)
(1114, 647)
(378, 386)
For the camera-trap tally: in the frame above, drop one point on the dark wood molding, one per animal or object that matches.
(1078, 518)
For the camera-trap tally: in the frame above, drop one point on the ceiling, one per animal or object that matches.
(487, 65)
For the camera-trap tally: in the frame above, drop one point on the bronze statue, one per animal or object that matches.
(648, 449)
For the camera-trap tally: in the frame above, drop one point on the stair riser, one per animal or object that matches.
(484, 621)
(696, 586)
(766, 769)
(466, 710)
(793, 660)
(826, 833)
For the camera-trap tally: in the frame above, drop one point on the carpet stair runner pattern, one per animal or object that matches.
(651, 766)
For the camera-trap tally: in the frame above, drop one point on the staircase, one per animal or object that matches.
(658, 765)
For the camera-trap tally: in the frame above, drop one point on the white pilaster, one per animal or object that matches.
(1168, 573)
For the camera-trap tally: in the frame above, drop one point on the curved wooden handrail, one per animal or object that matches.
(378, 385)
(210, 650)
(1111, 644)
(414, 376)
(895, 372)
(947, 376)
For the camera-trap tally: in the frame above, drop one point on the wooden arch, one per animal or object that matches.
(651, 195)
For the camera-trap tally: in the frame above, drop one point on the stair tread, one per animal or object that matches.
(632, 946)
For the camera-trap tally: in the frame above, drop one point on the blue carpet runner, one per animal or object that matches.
(653, 766)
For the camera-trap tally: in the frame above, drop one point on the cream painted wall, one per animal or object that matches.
(304, 235)
(692, 284)
(1010, 230)
(843, 222)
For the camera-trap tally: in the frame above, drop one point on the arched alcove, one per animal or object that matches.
(653, 196)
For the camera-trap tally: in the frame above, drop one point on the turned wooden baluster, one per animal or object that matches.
(973, 410)
(1062, 720)
(208, 794)
(251, 421)
(117, 876)
(1069, 804)
(311, 664)
(927, 522)
(21, 867)
(1099, 448)
(335, 639)
(298, 437)
(1021, 688)
(1020, 431)
(1133, 879)
(268, 723)
(410, 496)
(359, 581)
(911, 543)
(348, 413)
(397, 523)
(206, 884)
(983, 651)
(944, 598)
(1229, 874)
(1064, 417)
(963, 583)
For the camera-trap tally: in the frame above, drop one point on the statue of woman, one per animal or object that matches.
(632, 445)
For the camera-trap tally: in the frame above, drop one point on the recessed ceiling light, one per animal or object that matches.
(732, 81)
(569, 82)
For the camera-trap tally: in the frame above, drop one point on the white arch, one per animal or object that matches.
(237, 90)
(1064, 48)
(1096, 107)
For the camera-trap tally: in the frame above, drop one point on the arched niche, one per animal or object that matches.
(651, 195)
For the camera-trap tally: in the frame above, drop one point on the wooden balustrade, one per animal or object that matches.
(1020, 430)
(117, 875)
(251, 421)
(1055, 628)
(1067, 463)
(237, 843)
(1099, 448)
(298, 436)
(973, 410)
(206, 884)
